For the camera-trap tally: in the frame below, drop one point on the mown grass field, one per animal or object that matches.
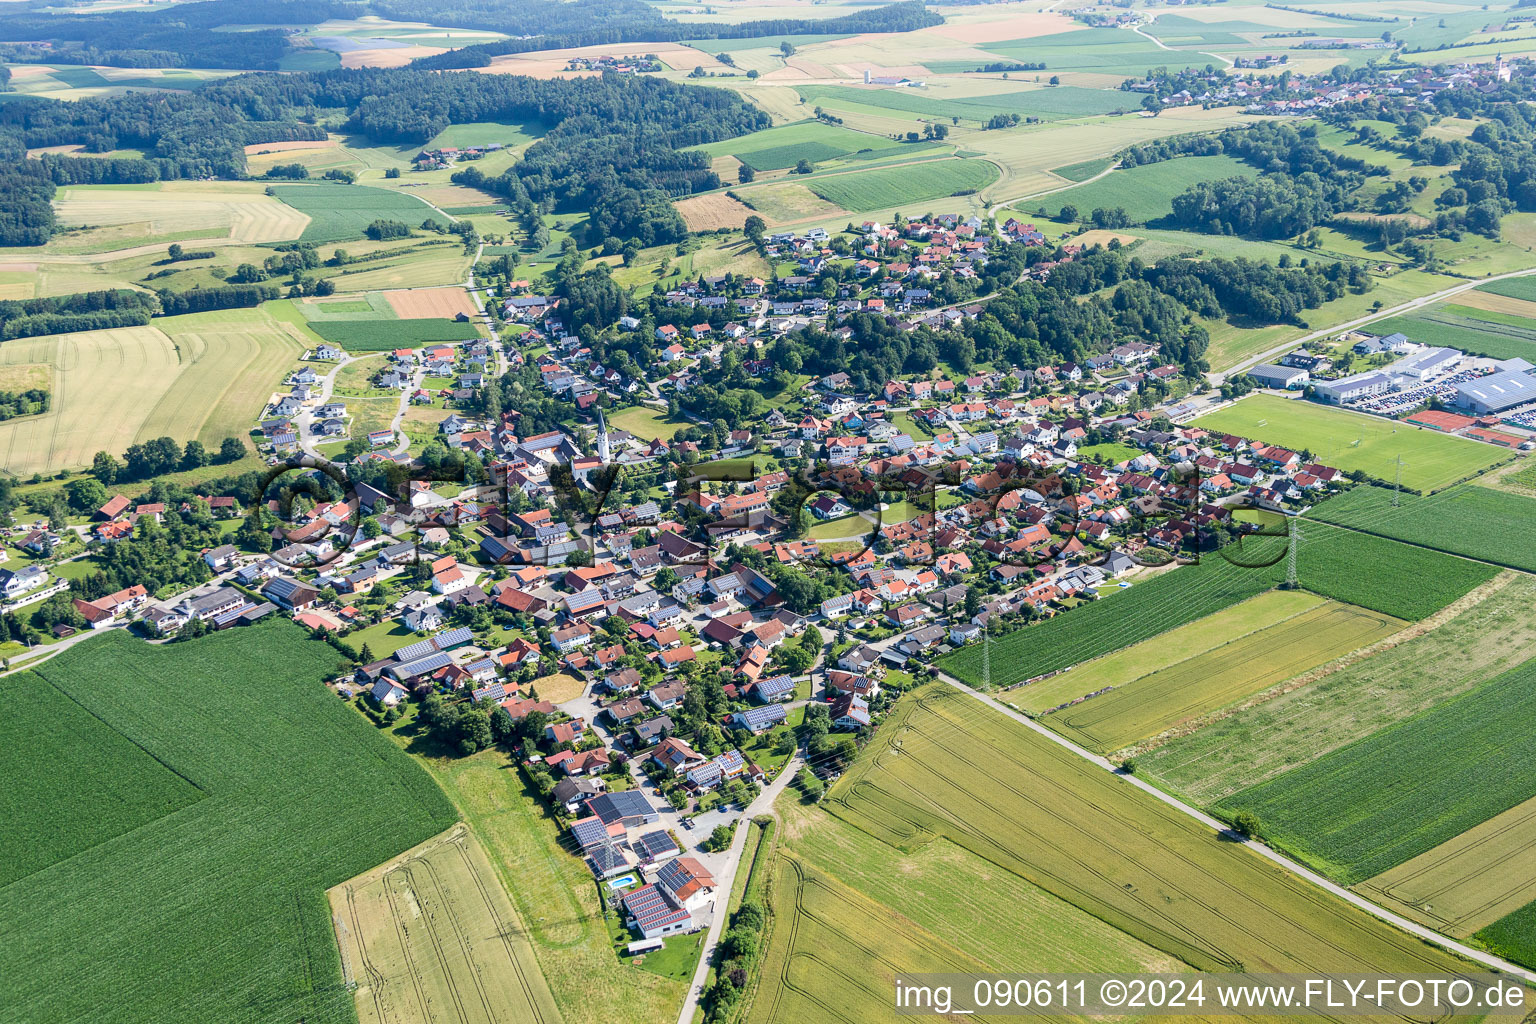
(909, 184)
(1477, 522)
(435, 928)
(1145, 192)
(339, 213)
(1351, 441)
(1144, 706)
(1063, 824)
(1404, 790)
(1467, 883)
(1472, 645)
(382, 335)
(784, 146)
(215, 912)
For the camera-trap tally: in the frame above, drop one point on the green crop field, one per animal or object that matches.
(879, 188)
(381, 335)
(778, 148)
(339, 213)
(216, 912)
(1481, 335)
(1395, 579)
(1514, 287)
(1477, 522)
(1408, 788)
(1105, 50)
(944, 767)
(1119, 619)
(1048, 104)
(1354, 441)
(1513, 936)
(1245, 748)
(1146, 192)
(1144, 704)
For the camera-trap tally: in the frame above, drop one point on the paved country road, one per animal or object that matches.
(1397, 921)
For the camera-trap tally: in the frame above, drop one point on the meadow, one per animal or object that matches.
(1475, 522)
(1044, 103)
(1483, 335)
(339, 213)
(435, 928)
(1144, 704)
(1467, 883)
(383, 335)
(1146, 192)
(1119, 619)
(1354, 441)
(1404, 790)
(879, 188)
(944, 767)
(786, 145)
(1490, 633)
(216, 911)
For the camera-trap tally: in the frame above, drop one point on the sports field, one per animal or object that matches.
(1477, 522)
(909, 184)
(1469, 882)
(432, 934)
(1146, 192)
(216, 911)
(1404, 790)
(203, 375)
(1489, 632)
(1351, 441)
(945, 767)
(339, 213)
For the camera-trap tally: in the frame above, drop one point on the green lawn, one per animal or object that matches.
(1110, 452)
(216, 911)
(1354, 441)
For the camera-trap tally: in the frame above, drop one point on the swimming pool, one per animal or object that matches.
(619, 883)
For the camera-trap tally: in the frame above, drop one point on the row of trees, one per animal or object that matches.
(81, 311)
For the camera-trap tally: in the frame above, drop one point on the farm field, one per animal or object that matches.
(1054, 103)
(1061, 823)
(1351, 441)
(1141, 707)
(1513, 936)
(707, 213)
(412, 303)
(1469, 882)
(1515, 288)
(242, 718)
(114, 217)
(1489, 633)
(1404, 790)
(1123, 617)
(203, 375)
(551, 889)
(1146, 192)
(57, 807)
(894, 186)
(1483, 335)
(434, 930)
(383, 335)
(785, 145)
(1476, 522)
(339, 213)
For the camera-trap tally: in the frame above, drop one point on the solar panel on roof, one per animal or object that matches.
(421, 666)
(654, 844)
(419, 649)
(453, 637)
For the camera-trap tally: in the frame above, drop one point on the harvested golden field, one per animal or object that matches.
(422, 303)
(108, 217)
(387, 56)
(706, 213)
(1496, 303)
(432, 935)
(1468, 882)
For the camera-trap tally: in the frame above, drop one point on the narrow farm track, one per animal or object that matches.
(1299, 870)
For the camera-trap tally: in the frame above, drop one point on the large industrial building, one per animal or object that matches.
(1351, 389)
(1496, 392)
